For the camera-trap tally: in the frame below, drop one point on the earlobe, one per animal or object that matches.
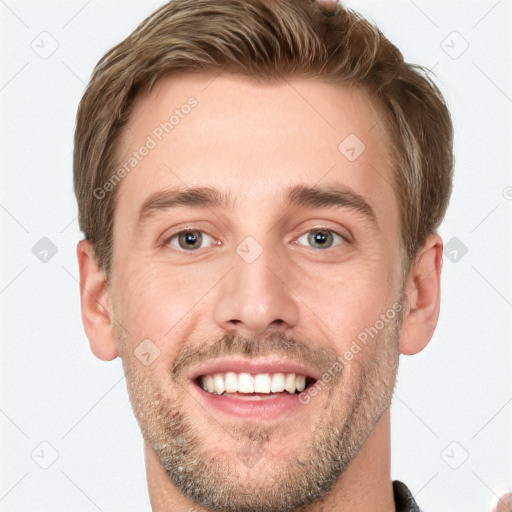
(95, 304)
(423, 297)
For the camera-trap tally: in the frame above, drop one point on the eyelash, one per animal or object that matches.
(169, 239)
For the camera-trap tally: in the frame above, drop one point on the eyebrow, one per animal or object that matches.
(198, 197)
(331, 196)
(297, 196)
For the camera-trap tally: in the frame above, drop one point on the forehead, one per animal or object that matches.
(254, 140)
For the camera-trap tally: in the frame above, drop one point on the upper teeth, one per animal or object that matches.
(231, 382)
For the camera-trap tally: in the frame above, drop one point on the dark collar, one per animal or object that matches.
(404, 500)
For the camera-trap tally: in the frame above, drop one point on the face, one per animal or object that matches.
(255, 240)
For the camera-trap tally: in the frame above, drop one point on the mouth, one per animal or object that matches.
(248, 386)
(261, 390)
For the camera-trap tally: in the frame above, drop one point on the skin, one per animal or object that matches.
(255, 140)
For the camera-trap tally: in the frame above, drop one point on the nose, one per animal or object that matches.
(255, 297)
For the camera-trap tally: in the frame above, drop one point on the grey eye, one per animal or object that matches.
(320, 238)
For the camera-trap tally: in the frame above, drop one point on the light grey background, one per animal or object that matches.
(452, 412)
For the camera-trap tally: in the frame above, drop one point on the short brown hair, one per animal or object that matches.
(267, 39)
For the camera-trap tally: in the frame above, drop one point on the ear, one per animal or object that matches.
(423, 297)
(95, 303)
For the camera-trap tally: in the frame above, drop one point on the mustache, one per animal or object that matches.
(273, 344)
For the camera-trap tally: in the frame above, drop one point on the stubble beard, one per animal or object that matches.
(304, 477)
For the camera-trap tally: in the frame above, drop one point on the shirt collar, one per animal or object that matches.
(404, 500)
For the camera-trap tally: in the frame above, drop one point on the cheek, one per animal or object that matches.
(156, 301)
(350, 298)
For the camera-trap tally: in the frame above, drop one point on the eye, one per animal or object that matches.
(189, 240)
(321, 238)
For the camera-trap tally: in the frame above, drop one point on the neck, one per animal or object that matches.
(365, 485)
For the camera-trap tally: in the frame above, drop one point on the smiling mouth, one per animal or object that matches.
(257, 386)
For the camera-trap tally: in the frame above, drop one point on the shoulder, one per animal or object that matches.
(404, 500)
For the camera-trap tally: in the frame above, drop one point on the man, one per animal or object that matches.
(260, 186)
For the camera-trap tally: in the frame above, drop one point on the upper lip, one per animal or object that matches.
(258, 365)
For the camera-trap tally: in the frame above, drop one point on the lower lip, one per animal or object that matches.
(265, 409)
